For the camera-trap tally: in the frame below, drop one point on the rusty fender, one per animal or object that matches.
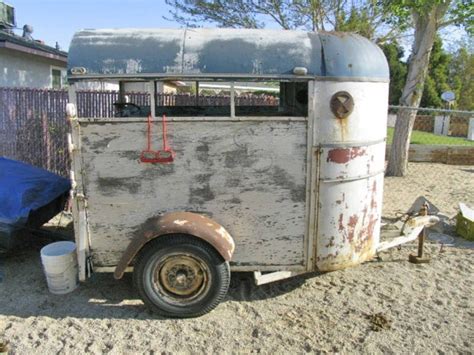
(178, 223)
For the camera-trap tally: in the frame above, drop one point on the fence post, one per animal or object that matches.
(470, 130)
(46, 140)
(441, 126)
(392, 119)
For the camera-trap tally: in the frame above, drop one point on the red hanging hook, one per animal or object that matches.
(164, 156)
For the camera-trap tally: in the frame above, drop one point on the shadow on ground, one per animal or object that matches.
(24, 291)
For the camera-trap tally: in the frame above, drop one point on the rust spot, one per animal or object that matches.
(331, 242)
(371, 226)
(373, 202)
(343, 125)
(148, 234)
(341, 224)
(196, 225)
(351, 227)
(344, 155)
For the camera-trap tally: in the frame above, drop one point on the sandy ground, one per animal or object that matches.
(443, 185)
(383, 306)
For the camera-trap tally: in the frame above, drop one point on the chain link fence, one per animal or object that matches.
(33, 127)
(441, 163)
(438, 136)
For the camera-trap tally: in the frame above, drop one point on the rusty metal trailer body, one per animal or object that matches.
(294, 193)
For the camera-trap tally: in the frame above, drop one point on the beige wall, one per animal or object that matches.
(25, 70)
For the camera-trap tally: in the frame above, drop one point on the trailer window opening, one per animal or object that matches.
(191, 98)
(213, 98)
(271, 99)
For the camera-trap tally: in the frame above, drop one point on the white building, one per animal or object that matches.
(26, 62)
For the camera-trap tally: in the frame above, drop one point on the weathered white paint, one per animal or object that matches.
(79, 203)
(248, 176)
(311, 182)
(350, 157)
(261, 279)
(251, 176)
(400, 240)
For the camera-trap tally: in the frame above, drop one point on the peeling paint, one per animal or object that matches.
(180, 222)
(260, 202)
(344, 155)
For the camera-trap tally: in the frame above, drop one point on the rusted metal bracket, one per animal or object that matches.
(419, 258)
(416, 226)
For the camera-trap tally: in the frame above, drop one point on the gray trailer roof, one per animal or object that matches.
(168, 53)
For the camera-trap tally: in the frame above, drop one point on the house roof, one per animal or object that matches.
(227, 53)
(12, 41)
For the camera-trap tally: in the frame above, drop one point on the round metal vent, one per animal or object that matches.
(78, 71)
(342, 104)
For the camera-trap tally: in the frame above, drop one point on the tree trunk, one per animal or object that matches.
(425, 32)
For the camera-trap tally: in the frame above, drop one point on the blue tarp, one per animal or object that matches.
(25, 188)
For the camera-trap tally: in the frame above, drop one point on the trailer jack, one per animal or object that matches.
(419, 258)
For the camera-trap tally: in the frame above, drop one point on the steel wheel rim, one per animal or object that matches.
(181, 279)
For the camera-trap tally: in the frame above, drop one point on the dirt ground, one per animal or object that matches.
(384, 306)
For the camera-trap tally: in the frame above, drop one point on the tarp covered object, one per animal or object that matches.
(24, 189)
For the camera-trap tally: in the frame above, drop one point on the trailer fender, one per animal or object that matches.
(178, 223)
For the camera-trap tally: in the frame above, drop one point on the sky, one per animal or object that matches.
(58, 20)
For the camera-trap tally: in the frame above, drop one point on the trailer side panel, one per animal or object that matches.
(249, 176)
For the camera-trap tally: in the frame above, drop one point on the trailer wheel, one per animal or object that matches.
(181, 276)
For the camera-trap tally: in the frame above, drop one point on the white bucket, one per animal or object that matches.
(60, 267)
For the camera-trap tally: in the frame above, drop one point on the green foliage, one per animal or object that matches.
(398, 71)
(462, 15)
(453, 72)
(461, 79)
(426, 138)
(437, 80)
(450, 12)
(359, 22)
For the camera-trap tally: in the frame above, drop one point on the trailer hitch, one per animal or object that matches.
(416, 229)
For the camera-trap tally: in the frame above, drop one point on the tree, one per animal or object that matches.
(367, 17)
(461, 79)
(427, 17)
(437, 80)
(398, 71)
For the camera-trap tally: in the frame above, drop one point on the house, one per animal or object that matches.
(169, 87)
(25, 62)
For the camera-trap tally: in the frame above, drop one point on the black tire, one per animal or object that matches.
(181, 276)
